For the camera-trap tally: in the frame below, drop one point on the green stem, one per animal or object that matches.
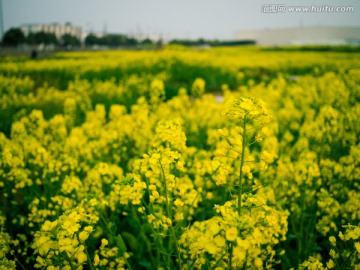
(347, 259)
(69, 260)
(230, 256)
(166, 193)
(127, 263)
(158, 239)
(170, 217)
(302, 215)
(112, 234)
(217, 262)
(88, 258)
(143, 235)
(149, 193)
(18, 261)
(241, 166)
(176, 246)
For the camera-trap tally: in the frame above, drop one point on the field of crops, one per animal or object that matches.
(227, 158)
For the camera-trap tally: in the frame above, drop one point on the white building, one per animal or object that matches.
(55, 28)
(316, 35)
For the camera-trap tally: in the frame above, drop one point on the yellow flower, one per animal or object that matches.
(104, 242)
(178, 203)
(88, 229)
(246, 169)
(330, 264)
(332, 240)
(266, 131)
(268, 157)
(48, 225)
(151, 218)
(198, 87)
(231, 234)
(81, 256)
(43, 244)
(179, 216)
(212, 248)
(157, 91)
(83, 236)
(96, 260)
(332, 253)
(219, 241)
(51, 267)
(357, 246)
(246, 104)
(258, 262)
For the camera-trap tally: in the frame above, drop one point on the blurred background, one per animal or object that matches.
(113, 23)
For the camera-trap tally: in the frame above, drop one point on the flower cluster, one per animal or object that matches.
(106, 161)
(242, 242)
(62, 243)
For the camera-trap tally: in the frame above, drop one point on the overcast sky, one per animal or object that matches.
(173, 19)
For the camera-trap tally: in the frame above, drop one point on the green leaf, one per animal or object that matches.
(120, 244)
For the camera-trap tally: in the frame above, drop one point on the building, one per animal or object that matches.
(309, 35)
(55, 28)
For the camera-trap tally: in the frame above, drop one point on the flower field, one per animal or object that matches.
(227, 158)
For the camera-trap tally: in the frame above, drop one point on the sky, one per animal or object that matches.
(191, 19)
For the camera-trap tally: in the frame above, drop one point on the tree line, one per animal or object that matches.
(212, 43)
(15, 37)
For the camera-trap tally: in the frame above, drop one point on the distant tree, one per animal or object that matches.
(174, 41)
(112, 40)
(52, 39)
(184, 42)
(146, 41)
(201, 41)
(30, 39)
(69, 40)
(116, 40)
(92, 39)
(41, 38)
(215, 43)
(131, 42)
(13, 37)
(160, 44)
